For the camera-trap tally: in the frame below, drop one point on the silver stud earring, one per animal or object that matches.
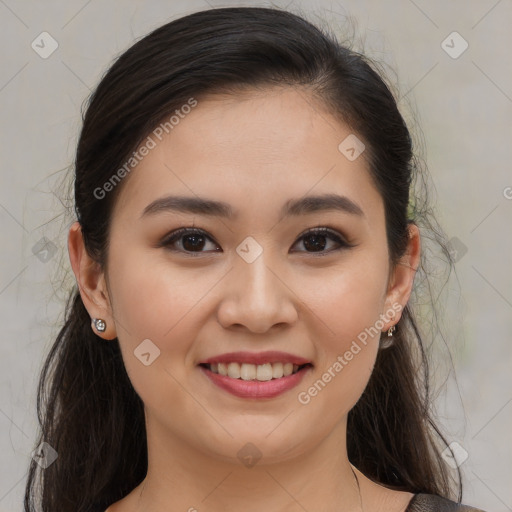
(99, 324)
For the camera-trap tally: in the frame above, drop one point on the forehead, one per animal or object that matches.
(254, 150)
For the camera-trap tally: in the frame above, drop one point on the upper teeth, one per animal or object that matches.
(248, 371)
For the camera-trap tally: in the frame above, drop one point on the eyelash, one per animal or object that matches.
(326, 231)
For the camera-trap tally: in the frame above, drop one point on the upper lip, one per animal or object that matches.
(256, 358)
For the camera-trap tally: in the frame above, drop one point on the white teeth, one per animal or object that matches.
(247, 371)
(261, 372)
(234, 370)
(277, 370)
(264, 372)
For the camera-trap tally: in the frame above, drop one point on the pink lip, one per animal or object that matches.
(257, 358)
(254, 388)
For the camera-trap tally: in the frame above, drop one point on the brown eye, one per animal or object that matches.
(315, 240)
(192, 240)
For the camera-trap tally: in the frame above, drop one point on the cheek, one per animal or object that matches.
(347, 313)
(157, 304)
(152, 298)
(151, 301)
(346, 303)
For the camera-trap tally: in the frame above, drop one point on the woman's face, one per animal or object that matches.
(253, 282)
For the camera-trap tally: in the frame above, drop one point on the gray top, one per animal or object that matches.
(431, 503)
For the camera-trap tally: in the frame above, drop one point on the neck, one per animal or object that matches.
(185, 478)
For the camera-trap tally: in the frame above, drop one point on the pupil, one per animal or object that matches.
(198, 239)
(316, 244)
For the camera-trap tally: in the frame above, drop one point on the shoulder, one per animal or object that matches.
(431, 503)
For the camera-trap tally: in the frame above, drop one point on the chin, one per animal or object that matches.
(257, 446)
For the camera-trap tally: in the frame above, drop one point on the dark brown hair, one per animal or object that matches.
(87, 408)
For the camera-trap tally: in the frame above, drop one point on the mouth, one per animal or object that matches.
(259, 372)
(250, 375)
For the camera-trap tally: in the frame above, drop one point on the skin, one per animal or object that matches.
(278, 144)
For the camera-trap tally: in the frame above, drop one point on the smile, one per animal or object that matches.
(260, 372)
(250, 381)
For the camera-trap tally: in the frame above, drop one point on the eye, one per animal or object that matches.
(315, 239)
(193, 240)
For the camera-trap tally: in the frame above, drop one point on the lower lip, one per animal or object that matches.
(254, 388)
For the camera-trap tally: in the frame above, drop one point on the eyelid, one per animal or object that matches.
(325, 229)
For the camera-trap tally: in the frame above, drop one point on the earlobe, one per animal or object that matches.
(402, 280)
(90, 280)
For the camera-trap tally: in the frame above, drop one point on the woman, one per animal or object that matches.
(246, 244)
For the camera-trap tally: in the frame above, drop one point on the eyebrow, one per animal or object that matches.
(293, 207)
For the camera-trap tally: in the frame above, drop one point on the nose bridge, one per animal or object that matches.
(257, 296)
(258, 284)
(259, 277)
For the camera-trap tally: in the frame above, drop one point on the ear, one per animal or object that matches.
(91, 282)
(402, 278)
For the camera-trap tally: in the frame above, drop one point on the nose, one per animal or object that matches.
(257, 297)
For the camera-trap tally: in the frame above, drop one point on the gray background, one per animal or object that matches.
(460, 107)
